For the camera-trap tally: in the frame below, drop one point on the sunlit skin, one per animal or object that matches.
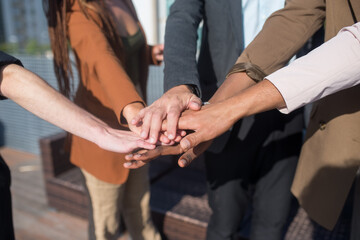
(35, 95)
(230, 103)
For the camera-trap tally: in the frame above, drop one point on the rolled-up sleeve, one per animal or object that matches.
(332, 67)
(282, 35)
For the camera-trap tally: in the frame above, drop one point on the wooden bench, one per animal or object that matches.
(178, 196)
(63, 181)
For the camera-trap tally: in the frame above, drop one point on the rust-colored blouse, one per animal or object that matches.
(104, 90)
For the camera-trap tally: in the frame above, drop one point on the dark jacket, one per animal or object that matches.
(221, 44)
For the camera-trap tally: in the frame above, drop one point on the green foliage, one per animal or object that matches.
(10, 47)
(31, 47)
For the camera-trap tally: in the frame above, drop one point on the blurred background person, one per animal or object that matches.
(112, 58)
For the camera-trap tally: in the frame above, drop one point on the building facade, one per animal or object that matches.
(23, 21)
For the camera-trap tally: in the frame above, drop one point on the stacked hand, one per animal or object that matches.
(177, 109)
(169, 107)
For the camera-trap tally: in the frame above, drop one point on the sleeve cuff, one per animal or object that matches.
(253, 71)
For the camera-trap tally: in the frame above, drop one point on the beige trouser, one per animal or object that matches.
(130, 200)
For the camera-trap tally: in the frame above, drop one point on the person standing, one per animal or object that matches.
(112, 59)
(255, 161)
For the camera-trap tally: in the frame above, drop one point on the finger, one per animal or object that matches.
(147, 156)
(165, 144)
(158, 151)
(191, 140)
(155, 127)
(130, 156)
(164, 126)
(146, 145)
(144, 155)
(164, 139)
(146, 126)
(134, 164)
(187, 122)
(172, 122)
(182, 133)
(177, 138)
(138, 118)
(195, 103)
(159, 57)
(187, 158)
(193, 153)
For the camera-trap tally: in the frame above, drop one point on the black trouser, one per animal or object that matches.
(263, 162)
(6, 223)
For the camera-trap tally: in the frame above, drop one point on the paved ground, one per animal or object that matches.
(34, 220)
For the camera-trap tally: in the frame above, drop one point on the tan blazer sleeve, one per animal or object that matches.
(283, 34)
(97, 56)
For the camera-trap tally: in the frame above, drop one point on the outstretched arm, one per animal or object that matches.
(213, 120)
(180, 71)
(332, 67)
(35, 95)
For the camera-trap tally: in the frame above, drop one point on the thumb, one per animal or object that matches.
(195, 103)
(186, 158)
(190, 141)
(193, 153)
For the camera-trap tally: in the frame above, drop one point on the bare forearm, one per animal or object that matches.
(258, 98)
(232, 85)
(32, 93)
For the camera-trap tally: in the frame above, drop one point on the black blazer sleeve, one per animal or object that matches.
(6, 59)
(181, 44)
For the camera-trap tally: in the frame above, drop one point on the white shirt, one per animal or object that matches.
(255, 12)
(332, 67)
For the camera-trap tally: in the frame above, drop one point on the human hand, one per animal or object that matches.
(130, 111)
(120, 141)
(158, 52)
(208, 123)
(169, 107)
(142, 157)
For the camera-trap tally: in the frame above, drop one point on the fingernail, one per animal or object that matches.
(185, 144)
(152, 140)
(143, 134)
(138, 155)
(170, 136)
(133, 121)
(183, 163)
(129, 156)
(127, 164)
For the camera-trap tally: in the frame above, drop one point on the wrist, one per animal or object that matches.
(96, 130)
(180, 88)
(130, 111)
